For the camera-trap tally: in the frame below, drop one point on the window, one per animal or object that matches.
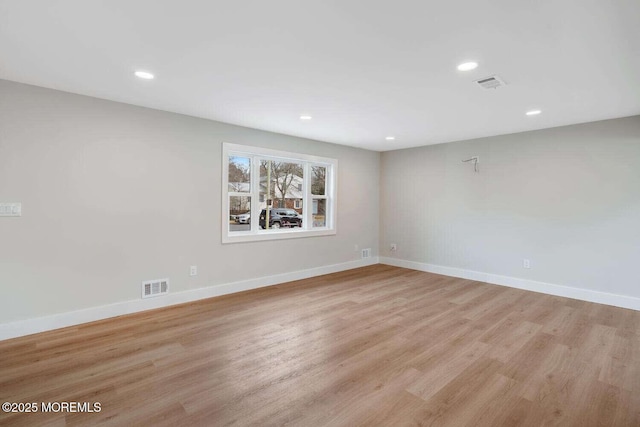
(269, 194)
(319, 195)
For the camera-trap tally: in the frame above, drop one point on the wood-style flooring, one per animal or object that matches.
(376, 346)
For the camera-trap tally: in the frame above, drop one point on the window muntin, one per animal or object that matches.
(298, 187)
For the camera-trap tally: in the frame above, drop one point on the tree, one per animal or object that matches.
(239, 173)
(239, 179)
(318, 180)
(282, 176)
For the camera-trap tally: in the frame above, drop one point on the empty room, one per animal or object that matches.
(334, 213)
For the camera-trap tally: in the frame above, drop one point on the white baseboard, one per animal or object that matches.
(55, 321)
(623, 301)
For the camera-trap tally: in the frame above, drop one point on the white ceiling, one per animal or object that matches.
(363, 69)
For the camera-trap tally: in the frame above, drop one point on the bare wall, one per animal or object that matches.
(114, 194)
(567, 199)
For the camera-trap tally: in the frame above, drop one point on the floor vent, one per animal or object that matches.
(492, 82)
(153, 288)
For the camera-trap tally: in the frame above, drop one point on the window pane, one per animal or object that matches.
(286, 180)
(319, 213)
(318, 180)
(239, 174)
(239, 213)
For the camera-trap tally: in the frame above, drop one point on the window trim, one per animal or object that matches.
(256, 234)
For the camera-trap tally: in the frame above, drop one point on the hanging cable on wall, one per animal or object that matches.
(475, 160)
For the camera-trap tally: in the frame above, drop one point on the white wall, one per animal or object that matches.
(567, 199)
(114, 194)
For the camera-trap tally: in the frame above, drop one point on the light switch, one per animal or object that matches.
(10, 209)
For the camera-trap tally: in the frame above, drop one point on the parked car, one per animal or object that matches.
(244, 218)
(280, 217)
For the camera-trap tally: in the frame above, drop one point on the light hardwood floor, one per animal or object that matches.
(376, 346)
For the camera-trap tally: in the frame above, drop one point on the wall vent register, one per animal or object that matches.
(10, 209)
(154, 288)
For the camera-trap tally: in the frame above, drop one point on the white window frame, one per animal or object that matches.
(307, 229)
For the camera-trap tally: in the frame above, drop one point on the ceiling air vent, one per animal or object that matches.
(153, 288)
(492, 82)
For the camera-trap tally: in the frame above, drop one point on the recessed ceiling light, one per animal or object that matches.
(144, 75)
(533, 112)
(305, 117)
(390, 138)
(468, 66)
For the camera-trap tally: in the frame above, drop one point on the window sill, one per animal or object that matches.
(240, 237)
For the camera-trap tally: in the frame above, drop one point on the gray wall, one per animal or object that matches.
(114, 194)
(566, 198)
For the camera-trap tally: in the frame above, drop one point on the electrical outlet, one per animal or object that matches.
(193, 270)
(394, 247)
(366, 253)
(526, 263)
